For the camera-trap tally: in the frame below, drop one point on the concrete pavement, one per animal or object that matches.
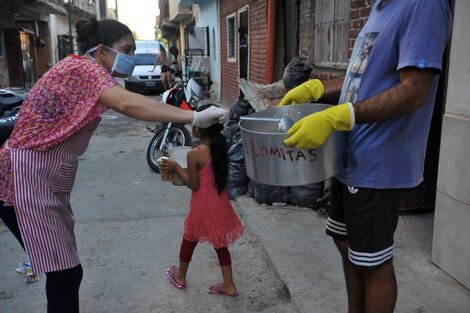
(309, 265)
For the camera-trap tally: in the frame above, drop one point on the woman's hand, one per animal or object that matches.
(212, 115)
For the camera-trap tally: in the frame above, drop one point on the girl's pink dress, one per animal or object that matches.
(211, 216)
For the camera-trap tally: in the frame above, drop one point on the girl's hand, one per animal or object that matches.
(169, 166)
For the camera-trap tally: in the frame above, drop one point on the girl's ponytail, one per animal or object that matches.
(219, 149)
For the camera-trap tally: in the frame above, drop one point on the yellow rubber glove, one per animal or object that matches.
(313, 130)
(311, 90)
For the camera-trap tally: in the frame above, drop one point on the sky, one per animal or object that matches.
(139, 16)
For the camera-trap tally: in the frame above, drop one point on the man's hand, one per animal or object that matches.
(311, 90)
(210, 116)
(313, 130)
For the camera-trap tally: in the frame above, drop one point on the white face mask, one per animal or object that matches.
(123, 65)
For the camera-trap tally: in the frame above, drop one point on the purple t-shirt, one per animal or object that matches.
(398, 34)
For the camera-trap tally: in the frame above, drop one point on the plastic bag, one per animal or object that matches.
(296, 72)
(237, 178)
(307, 195)
(240, 108)
(268, 194)
(234, 192)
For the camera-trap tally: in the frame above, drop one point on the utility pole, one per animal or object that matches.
(69, 7)
(116, 10)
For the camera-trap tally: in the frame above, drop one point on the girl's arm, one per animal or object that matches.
(190, 175)
(193, 160)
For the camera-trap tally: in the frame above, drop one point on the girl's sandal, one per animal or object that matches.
(170, 274)
(217, 290)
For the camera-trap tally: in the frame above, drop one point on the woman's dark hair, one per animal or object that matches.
(219, 149)
(92, 33)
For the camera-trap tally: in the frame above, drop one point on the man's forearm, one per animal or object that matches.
(332, 87)
(409, 95)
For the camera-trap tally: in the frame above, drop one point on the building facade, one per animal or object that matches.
(25, 46)
(37, 34)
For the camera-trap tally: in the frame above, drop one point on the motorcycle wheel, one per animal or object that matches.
(178, 135)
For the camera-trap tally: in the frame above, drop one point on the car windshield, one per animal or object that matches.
(145, 59)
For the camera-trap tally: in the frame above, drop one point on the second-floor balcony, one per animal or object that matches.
(41, 6)
(81, 7)
(179, 10)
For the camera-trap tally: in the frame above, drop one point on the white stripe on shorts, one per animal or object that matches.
(371, 259)
(336, 227)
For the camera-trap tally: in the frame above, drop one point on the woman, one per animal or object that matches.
(38, 162)
(165, 74)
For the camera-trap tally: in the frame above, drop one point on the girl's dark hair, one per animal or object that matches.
(219, 149)
(92, 33)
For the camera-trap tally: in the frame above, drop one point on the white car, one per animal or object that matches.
(143, 79)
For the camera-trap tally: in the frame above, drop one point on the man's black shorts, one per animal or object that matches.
(367, 218)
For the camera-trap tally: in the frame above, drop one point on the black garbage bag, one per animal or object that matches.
(237, 178)
(235, 151)
(237, 174)
(296, 72)
(233, 134)
(240, 108)
(250, 190)
(268, 194)
(309, 196)
(234, 192)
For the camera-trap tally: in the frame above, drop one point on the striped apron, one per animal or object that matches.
(42, 182)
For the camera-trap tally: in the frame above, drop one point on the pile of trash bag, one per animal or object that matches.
(240, 108)
(237, 178)
(314, 196)
(296, 72)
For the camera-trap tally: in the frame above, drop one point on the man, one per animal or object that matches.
(387, 99)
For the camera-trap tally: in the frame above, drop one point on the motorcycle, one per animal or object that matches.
(185, 96)
(10, 103)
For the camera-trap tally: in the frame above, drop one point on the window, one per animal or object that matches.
(231, 37)
(2, 43)
(332, 22)
(102, 10)
(145, 58)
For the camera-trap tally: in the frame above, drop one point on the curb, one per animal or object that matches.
(242, 209)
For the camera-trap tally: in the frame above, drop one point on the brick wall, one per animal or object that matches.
(306, 16)
(360, 10)
(257, 46)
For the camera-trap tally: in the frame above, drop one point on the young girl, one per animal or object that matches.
(211, 217)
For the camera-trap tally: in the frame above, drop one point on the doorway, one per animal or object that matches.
(21, 54)
(291, 30)
(243, 42)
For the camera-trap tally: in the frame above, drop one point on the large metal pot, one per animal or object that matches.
(269, 161)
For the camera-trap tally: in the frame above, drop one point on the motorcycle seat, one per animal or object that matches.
(7, 103)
